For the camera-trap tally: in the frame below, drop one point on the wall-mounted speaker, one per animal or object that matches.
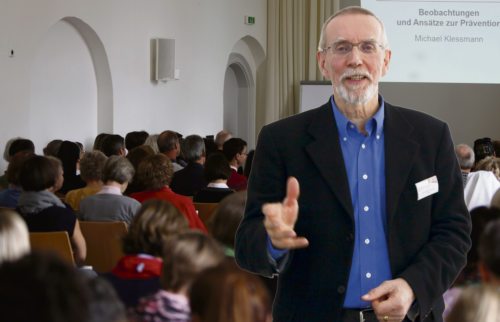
(163, 59)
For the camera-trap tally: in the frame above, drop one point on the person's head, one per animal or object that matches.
(152, 141)
(137, 154)
(248, 164)
(91, 166)
(496, 147)
(465, 156)
(21, 145)
(14, 237)
(38, 173)
(193, 149)
(227, 294)
(476, 303)
(221, 138)
(483, 148)
(113, 144)
(155, 172)
(168, 143)
(53, 290)
(489, 253)
(69, 154)
(235, 150)
(52, 148)
(154, 223)
(105, 305)
(217, 167)
(353, 53)
(185, 256)
(98, 141)
(135, 138)
(117, 169)
(6, 155)
(491, 164)
(227, 217)
(14, 167)
(57, 164)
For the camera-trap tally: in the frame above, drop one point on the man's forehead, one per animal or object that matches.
(354, 27)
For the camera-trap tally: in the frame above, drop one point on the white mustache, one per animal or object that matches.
(353, 72)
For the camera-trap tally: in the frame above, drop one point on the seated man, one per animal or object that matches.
(235, 150)
(190, 180)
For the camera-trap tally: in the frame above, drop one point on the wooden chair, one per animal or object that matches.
(104, 243)
(56, 242)
(205, 210)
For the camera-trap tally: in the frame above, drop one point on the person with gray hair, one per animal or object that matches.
(109, 204)
(466, 158)
(191, 179)
(14, 237)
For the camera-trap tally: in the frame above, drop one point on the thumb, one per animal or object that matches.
(292, 190)
(376, 293)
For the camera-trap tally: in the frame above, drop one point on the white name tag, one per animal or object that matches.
(427, 187)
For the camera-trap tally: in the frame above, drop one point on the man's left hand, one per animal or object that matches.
(391, 300)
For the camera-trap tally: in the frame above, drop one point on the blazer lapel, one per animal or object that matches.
(326, 154)
(400, 152)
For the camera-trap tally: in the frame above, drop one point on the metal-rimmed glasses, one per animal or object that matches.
(344, 47)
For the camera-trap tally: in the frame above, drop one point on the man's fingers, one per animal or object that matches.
(292, 192)
(377, 293)
(290, 243)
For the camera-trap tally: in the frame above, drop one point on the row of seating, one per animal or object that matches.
(103, 239)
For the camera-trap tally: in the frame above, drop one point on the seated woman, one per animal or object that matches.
(109, 204)
(91, 167)
(41, 209)
(155, 173)
(138, 273)
(185, 256)
(10, 196)
(69, 154)
(14, 238)
(217, 171)
(135, 156)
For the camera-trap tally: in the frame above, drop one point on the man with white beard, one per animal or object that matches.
(379, 229)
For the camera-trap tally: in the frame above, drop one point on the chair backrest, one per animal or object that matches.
(104, 243)
(55, 241)
(205, 210)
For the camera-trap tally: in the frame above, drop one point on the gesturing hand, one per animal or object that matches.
(280, 219)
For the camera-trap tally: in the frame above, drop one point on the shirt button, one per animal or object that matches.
(365, 176)
(378, 137)
(345, 139)
(367, 241)
(352, 126)
(368, 275)
(366, 208)
(341, 289)
(363, 146)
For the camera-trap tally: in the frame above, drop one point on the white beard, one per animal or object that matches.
(351, 96)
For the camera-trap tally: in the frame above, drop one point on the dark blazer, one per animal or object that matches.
(189, 181)
(428, 239)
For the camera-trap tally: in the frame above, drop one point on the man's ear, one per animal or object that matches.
(321, 58)
(387, 60)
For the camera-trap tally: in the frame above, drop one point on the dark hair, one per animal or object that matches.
(248, 164)
(98, 141)
(37, 173)
(52, 148)
(105, 305)
(155, 221)
(217, 167)
(227, 217)
(483, 148)
(112, 144)
(15, 166)
(232, 147)
(117, 169)
(193, 148)
(21, 145)
(69, 154)
(52, 289)
(167, 141)
(489, 247)
(137, 154)
(135, 138)
(227, 294)
(155, 172)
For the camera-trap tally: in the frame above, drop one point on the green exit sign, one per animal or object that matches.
(249, 20)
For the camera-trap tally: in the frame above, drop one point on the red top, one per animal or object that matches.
(182, 203)
(237, 181)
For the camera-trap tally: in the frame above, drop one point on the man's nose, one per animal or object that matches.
(354, 57)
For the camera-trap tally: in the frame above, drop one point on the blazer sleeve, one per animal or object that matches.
(437, 264)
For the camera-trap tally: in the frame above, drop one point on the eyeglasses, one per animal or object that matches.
(343, 47)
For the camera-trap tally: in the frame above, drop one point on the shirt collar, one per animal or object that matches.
(110, 190)
(377, 121)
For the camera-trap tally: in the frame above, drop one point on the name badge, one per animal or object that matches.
(427, 187)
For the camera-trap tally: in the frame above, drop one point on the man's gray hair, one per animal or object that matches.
(465, 156)
(193, 148)
(118, 169)
(322, 45)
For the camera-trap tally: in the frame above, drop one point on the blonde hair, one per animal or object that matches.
(491, 164)
(14, 237)
(476, 303)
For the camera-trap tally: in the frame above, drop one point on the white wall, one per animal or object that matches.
(205, 32)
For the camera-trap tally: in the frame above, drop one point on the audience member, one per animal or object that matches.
(496, 147)
(155, 174)
(135, 139)
(227, 294)
(221, 138)
(477, 303)
(152, 141)
(114, 144)
(465, 156)
(104, 303)
(135, 156)
(14, 238)
(69, 154)
(168, 144)
(480, 188)
(491, 164)
(483, 148)
(109, 204)
(15, 146)
(216, 172)
(248, 163)
(190, 180)
(235, 150)
(10, 196)
(210, 146)
(98, 141)
(52, 148)
(91, 166)
(489, 253)
(185, 256)
(138, 273)
(40, 207)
